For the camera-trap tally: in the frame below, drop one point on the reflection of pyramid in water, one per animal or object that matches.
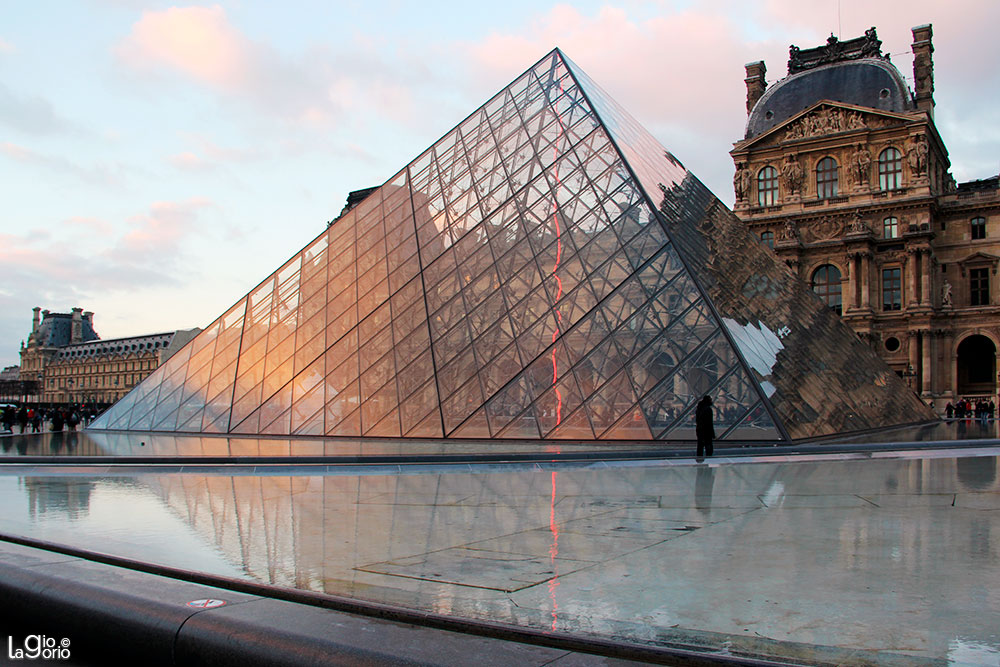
(516, 281)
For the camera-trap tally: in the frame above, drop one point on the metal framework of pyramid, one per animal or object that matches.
(545, 270)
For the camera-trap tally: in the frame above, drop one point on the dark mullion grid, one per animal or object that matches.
(423, 292)
(612, 328)
(742, 416)
(609, 338)
(684, 414)
(515, 196)
(666, 229)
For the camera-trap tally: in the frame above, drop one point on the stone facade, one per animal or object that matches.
(852, 188)
(72, 364)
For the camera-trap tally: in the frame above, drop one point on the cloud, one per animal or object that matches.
(315, 88)
(194, 40)
(189, 161)
(94, 175)
(6, 47)
(34, 114)
(86, 257)
(156, 238)
(208, 155)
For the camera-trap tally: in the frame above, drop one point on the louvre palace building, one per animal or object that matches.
(70, 363)
(843, 174)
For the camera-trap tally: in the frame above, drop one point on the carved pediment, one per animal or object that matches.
(979, 260)
(825, 118)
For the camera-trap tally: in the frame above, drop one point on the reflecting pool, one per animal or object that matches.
(837, 556)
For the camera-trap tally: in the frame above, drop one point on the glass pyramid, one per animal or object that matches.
(545, 270)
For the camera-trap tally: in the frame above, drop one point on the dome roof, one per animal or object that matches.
(867, 82)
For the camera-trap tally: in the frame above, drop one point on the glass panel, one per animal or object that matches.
(610, 403)
(474, 427)
(507, 404)
(457, 372)
(500, 370)
(630, 427)
(387, 427)
(524, 425)
(418, 405)
(574, 427)
(461, 404)
(428, 428)
(415, 374)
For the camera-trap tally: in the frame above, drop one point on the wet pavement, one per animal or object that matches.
(885, 556)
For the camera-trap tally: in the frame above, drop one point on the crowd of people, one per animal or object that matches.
(966, 409)
(32, 419)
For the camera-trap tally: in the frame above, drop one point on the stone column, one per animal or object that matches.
(926, 364)
(851, 302)
(925, 277)
(866, 301)
(910, 269)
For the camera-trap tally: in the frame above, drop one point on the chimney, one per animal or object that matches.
(755, 83)
(923, 68)
(34, 319)
(89, 316)
(76, 332)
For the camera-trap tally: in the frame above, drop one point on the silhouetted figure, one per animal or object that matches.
(704, 427)
(949, 410)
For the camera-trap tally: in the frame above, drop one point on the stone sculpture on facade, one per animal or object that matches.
(946, 294)
(917, 156)
(741, 182)
(858, 225)
(861, 161)
(792, 174)
(825, 121)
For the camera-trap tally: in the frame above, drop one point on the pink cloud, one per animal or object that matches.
(188, 161)
(200, 45)
(158, 232)
(197, 41)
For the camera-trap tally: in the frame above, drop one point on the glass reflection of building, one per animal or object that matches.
(67, 496)
(545, 270)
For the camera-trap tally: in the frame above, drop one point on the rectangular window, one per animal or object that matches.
(979, 287)
(892, 289)
(978, 228)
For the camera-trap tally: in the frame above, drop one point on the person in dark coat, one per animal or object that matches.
(704, 427)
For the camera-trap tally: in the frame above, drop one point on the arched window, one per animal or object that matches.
(767, 186)
(978, 227)
(826, 284)
(890, 169)
(826, 178)
(767, 238)
(890, 228)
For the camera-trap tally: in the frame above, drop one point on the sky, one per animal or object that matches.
(159, 160)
